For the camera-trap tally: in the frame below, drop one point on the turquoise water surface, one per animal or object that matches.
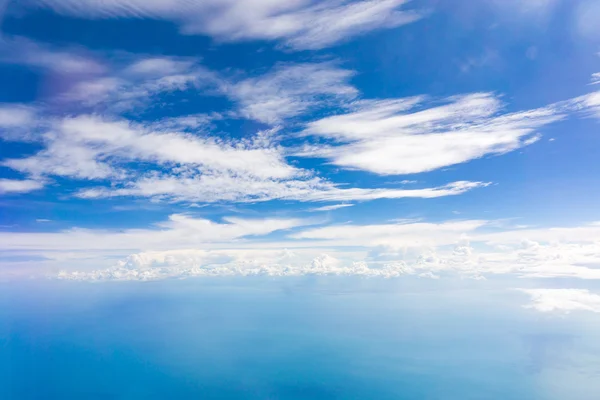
(305, 338)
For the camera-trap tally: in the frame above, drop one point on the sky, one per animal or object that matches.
(291, 199)
(149, 140)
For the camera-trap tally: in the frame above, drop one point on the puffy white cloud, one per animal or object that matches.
(395, 137)
(19, 186)
(563, 300)
(185, 246)
(195, 263)
(532, 253)
(298, 24)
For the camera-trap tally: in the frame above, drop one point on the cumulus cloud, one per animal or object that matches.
(297, 24)
(563, 300)
(186, 246)
(532, 253)
(195, 263)
(19, 186)
(433, 251)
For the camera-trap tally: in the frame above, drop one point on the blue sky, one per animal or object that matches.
(148, 140)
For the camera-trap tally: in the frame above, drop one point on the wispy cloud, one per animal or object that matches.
(125, 82)
(195, 186)
(92, 148)
(186, 167)
(73, 61)
(395, 137)
(331, 207)
(290, 90)
(179, 231)
(297, 24)
(16, 116)
(19, 186)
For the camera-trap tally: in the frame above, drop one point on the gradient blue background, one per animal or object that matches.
(317, 338)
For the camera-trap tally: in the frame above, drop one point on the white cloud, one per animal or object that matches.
(186, 246)
(127, 82)
(531, 253)
(188, 167)
(595, 78)
(298, 24)
(400, 235)
(178, 232)
(195, 123)
(19, 186)
(159, 67)
(394, 137)
(290, 90)
(74, 61)
(563, 300)
(194, 263)
(213, 187)
(132, 83)
(16, 116)
(19, 123)
(331, 207)
(63, 159)
(84, 147)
